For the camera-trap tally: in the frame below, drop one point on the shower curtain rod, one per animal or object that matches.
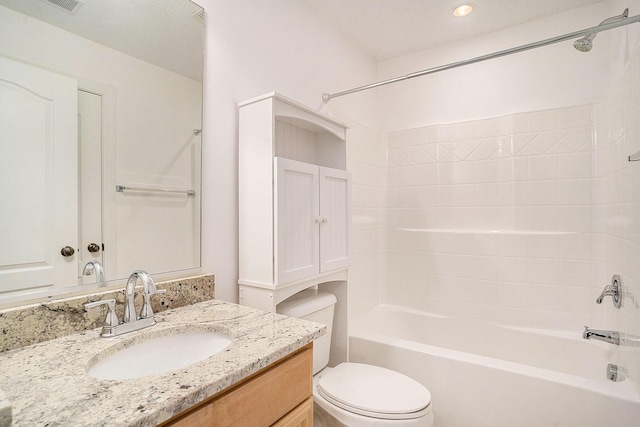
(326, 97)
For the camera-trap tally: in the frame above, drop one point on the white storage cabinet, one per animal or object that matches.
(294, 200)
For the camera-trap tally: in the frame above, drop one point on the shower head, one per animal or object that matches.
(585, 43)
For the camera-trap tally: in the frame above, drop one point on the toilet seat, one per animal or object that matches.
(374, 392)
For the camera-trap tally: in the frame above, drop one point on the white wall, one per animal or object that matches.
(255, 47)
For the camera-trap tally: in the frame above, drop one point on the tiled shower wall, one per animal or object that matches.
(521, 219)
(492, 219)
(367, 162)
(616, 209)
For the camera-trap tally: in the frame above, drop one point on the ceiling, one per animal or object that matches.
(390, 28)
(164, 32)
(168, 33)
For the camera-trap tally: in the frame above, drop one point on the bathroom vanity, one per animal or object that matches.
(263, 399)
(262, 378)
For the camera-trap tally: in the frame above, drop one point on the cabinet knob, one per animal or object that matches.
(325, 220)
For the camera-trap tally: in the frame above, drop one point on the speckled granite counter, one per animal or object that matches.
(46, 383)
(5, 410)
(47, 320)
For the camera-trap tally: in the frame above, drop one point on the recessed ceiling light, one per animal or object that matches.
(462, 10)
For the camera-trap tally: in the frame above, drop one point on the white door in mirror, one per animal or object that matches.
(159, 355)
(38, 177)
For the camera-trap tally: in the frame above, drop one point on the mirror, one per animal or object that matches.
(100, 135)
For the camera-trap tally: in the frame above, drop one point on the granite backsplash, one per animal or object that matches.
(34, 323)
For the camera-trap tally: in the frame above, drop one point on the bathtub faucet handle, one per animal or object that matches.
(614, 290)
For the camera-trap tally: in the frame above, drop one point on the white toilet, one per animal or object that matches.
(355, 394)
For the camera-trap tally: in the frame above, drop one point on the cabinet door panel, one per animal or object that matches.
(302, 416)
(335, 211)
(297, 220)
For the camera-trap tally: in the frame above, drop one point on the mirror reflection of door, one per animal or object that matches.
(90, 183)
(38, 178)
(159, 100)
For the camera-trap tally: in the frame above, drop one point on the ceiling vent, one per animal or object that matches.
(69, 6)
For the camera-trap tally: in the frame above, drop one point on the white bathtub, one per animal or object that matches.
(483, 374)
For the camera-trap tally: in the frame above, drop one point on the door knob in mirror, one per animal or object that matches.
(67, 251)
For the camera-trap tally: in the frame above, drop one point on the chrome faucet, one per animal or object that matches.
(148, 289)
(130, 321)
(612, 337)
(95, 266)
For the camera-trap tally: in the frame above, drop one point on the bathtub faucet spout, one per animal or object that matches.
(612, 337)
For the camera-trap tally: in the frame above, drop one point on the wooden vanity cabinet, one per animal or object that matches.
(278, 395)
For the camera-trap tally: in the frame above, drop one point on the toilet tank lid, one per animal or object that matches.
(306, 302)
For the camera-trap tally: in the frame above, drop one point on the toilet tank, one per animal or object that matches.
(316, 307)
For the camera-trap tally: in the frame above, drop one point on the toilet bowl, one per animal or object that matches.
(356, 394)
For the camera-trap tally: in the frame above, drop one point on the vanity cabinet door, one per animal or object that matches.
(302, 416)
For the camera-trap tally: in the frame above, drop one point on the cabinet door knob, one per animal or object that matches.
(319, 220)
(93, 247)
(67, 251)
(325, 220)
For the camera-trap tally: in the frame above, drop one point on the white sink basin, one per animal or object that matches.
(158, 355)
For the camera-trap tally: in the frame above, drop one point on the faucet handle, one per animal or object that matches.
(613, 290)
(606, 292)
(147, 311)
(112, 317)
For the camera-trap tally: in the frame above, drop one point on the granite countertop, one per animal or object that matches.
(46, 383)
